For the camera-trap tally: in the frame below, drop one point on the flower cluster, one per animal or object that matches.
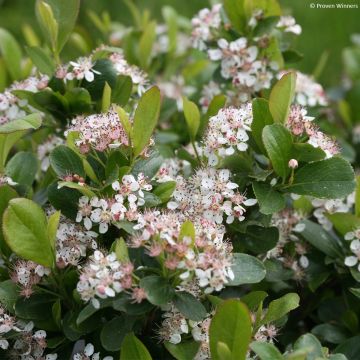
(89, 354)
(171, 168)
(122, 67)
(12, 107)
(354, 258)
(206, 258)
(123, 206)
(26, 344)
(205, 25)
(300, 124)
(175, 325)
(27, 274)
(227, 132)
(104, 276)
(72, 241)
(331, 206)
(99, 131)
(209, 193)
(288, 222)
(240, 64)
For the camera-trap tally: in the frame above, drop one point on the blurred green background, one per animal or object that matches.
(324, 30)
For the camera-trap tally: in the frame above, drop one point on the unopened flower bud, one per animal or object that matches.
(293, 164)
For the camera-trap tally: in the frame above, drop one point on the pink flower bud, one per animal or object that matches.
(293, 164)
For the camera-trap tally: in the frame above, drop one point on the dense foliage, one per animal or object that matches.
(180, 192)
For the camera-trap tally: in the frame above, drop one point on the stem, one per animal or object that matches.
(196, 152)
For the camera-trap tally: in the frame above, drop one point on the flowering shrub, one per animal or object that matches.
(176, 197)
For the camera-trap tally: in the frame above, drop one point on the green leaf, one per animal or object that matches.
(11, 53)
(266, 351)
(307, 153)
(65, 161)
(280, 307)
(83, 189)
(85, 313)
(235, 12)
(321, 239)
(281, 97)
(22, 168)
(121, 250)
(114, 332)
(330, 333)
(231, 325)
(65, 12)
(261, 118)
(189, 306)
(350, 348)
(6, 194)
(254, 299)
(223, 351)
(260, 239)
(331, 179)
(52, 226)
(344, 222)
(106, 98)
(268, 7)
(270, 200)
(357, 197)
(165, 190)
(184, 350)
(25, 231)
(247, 270)
(132, 348)
(158, 290)
(8, 294)
(145, 119)
(192, 117)
(28, 122)
(41, 60)
(187, 230)
(310, 342)
(278, 144)
(146, 43)
(48, 24)
(122, 90)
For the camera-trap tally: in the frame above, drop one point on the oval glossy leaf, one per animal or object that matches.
(192, 117)
(247, 270)
(184, 350)
(158, 290)
(22, 168)
(28, 122)
(278, 144)
(132, 348)
(65, 162)
(41, 60)
(281, 97)
(145, 119)
(280, 307)
(261, 118)
(270, 200)
(25, 231)
(266, 351)
(11, 53)
(114, 332)
(331, 179)
(321, 239)
(231, 325)
(189, 306)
